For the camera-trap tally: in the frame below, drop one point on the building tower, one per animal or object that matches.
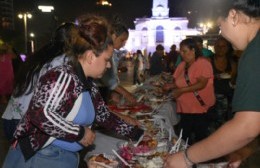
(158, 29)
(160, 9)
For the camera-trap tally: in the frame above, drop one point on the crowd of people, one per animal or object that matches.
(61, 92)
(239, 24)
(59, 101)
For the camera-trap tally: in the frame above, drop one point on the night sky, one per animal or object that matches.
(128, 10)
(43, 24)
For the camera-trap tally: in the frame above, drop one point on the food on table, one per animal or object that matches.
(144, 148)
(137, 108)
(143, 117)
(149, 126)
(155, 162)
(162, 146)
(101, 160)
(151, 143)
(157, 83)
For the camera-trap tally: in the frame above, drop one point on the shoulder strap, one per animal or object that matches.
(196, 94)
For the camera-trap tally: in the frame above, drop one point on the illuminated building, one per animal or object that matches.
(159, 29)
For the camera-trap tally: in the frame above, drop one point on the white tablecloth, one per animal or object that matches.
(105, 143)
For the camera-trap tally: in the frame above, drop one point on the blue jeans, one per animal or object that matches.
(49, 157)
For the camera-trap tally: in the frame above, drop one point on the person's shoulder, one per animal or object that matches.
(207, 53)
(202, 61)
(62, 68)
(58, 70)
(181, 65)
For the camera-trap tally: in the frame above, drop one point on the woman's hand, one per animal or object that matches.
(89, 137)
(130, 120)
(235, 159)
(168, 86)
(174, 161)
(131, 99)
(235, 164)
(177, 93)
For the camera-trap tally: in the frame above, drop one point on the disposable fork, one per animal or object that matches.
(102, 164)
(123, 160)
(169, 97)
(176, 146)
(156, 108)
(139, 140)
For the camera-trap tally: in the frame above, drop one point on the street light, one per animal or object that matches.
(46, 8)
(205, 27)
(32, 42)
(24, 16)
(49, 9)
(32, 35)
(104, 3)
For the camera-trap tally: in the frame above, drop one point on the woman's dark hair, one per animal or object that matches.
(69, 39)
(159, 47)
(139, 52)
(191, 44)
(94, 35)
(29, 72)
(229, 54)
(118, 29)
(230, 49)
(249, 7)
(198, 39)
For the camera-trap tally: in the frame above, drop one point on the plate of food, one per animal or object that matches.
(144, 148)
(102, 161)
(156, 99)
(143, 116)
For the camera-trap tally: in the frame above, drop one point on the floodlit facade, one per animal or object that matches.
(159, 29)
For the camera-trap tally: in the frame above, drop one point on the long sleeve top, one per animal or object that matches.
(51, 111)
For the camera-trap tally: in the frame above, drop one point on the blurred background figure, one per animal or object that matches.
(135, 73)
(171, 59)
(156, 61)
(6, 72)
(147, 57)
(49, 56)
(205, 52)
(110, 81)
(239, 23)
(225, 70)
(140, 70)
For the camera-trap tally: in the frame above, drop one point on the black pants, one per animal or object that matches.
(195, 127)
(10, 127)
